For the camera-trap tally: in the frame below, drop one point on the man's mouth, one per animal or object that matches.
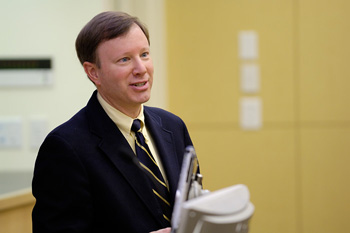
(139, 84)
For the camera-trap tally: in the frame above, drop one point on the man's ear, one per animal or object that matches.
(91, 71)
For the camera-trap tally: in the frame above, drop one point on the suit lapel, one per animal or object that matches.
(163, 139)
(119, 152)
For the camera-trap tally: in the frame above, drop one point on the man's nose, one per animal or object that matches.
(139, 67)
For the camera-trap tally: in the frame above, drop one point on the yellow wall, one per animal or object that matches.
(296, 166)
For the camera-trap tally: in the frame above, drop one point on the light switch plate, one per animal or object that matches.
(251, 113)
(11, 132)
(248, 45)
(250, 78)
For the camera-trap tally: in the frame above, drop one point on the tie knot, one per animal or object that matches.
(136, 125)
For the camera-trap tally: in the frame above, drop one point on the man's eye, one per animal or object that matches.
(124, 59)
(145, 54)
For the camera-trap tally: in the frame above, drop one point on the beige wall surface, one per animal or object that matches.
(43, 29)
(48, 29)
(296, 165)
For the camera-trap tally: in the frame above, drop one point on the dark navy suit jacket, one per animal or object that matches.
(85, 180)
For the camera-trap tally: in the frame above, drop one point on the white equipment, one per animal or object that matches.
(227, 210)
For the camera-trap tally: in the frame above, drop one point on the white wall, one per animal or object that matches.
(48, 28)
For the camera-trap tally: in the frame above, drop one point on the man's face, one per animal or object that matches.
(125, 76)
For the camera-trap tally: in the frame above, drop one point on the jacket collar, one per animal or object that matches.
(164, 139)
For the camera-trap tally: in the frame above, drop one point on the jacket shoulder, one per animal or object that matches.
(161, 113)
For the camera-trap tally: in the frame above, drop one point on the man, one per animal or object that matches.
(86, 178)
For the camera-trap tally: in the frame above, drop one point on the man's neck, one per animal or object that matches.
(132, 112)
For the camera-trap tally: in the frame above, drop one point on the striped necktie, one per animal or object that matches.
(147, 161)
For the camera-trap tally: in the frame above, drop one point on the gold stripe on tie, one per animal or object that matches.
(166, 218)
(155, 177)
(143, 148)
(166, 202)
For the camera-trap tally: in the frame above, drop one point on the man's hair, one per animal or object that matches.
(104, 26)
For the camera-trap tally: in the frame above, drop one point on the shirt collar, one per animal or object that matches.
(123, 121)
